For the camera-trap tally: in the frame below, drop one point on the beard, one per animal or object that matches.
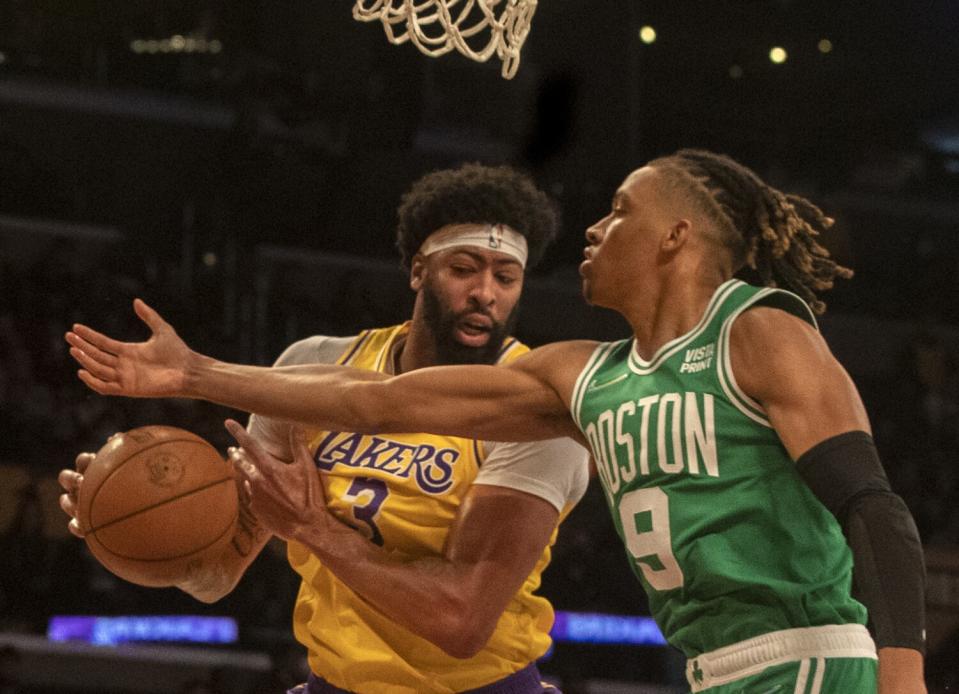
(442, 321)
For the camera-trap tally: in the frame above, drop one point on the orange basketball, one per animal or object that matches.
(156, 503)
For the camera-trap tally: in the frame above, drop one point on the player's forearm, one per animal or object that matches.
(901, 671)
(483, 402)
(217, 574)
(318, 395)
(432, 597)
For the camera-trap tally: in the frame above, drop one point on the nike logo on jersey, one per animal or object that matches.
(599, 386)
(698, 359)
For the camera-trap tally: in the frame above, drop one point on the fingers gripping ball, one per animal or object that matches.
(155, 502)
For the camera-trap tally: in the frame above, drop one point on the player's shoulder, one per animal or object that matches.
(513, 349)
(557, 364)
(557, 358)
(759, 307)
(567, 350)
(765, 325)
(771, 349)
(316, 349)
(556, 470)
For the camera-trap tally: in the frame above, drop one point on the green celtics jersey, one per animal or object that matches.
(724, 535)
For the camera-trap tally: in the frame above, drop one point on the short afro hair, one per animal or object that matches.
(476, 194)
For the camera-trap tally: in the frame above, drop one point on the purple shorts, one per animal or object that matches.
(525, 681)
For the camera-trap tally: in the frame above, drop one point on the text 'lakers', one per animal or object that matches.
(430, 467)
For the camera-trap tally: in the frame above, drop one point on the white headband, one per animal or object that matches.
(496, 237)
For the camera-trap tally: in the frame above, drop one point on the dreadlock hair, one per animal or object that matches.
(476, 194)
(772, 232)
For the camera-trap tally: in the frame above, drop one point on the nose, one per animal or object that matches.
(483, 290)
(594, 234)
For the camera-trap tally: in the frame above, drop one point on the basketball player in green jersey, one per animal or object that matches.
(733, 448)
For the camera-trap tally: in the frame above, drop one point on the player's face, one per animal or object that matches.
(621, 246)
(470, 300)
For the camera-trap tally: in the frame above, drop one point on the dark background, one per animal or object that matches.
(249, 193)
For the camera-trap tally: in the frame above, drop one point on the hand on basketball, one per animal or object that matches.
(151, 369)
(283, 496)
(71, 480)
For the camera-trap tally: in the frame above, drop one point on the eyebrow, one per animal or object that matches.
(483, 259)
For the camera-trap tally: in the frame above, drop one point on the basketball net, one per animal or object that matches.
(472, 27)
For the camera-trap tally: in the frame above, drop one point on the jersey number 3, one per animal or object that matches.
(365, 509)
(644, 514)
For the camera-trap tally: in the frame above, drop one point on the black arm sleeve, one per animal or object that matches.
(844, 472)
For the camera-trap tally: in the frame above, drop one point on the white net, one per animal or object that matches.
(476, 28)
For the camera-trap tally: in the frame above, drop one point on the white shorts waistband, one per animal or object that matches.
(738, 660)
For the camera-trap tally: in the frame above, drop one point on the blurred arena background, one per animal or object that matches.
(238, 165)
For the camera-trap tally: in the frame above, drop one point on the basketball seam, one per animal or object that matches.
(103, 482)
(159, 503)
(178, 556)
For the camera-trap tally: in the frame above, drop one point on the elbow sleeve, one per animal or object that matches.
(845, 474)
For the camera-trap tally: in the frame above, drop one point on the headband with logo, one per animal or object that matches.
(495, 237)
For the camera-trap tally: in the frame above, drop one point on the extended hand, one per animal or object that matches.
(152, 369)
(284, 497)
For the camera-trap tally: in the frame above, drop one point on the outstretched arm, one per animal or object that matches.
(816, 410)
(522, 402)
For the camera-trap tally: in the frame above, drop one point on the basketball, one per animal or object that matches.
(154, 501)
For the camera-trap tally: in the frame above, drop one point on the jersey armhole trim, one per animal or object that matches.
(348, 355)
(504, 351)
(596, 360)
(479, 450)
(727, 380)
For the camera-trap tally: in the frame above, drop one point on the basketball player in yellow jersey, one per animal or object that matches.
(451, 534)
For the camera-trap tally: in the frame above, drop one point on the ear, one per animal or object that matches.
(417, 272)
(677, 235)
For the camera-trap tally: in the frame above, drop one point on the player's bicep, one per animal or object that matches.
(497, 538)
(784, 364)
(507, 403)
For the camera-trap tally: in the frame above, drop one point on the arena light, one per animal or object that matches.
(177, 43)
(647, 34)
(609, 629)
(824, 46)
(735, 71)
(110, 631)
(778, 55)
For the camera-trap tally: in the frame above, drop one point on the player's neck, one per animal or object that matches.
(668, 310)
(413, 351)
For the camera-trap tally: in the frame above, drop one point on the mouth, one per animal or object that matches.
(473, 330)
(585, 265)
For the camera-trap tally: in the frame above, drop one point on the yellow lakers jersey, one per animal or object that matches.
(403, 492)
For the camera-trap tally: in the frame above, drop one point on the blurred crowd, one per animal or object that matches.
(49, 417)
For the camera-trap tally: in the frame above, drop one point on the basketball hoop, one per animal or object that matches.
(472, 27)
